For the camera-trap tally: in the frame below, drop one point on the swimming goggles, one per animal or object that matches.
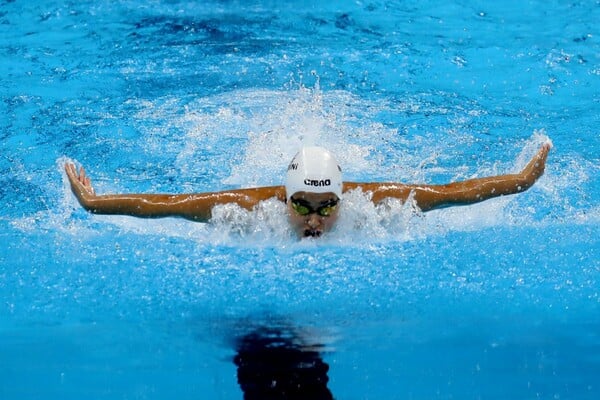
(303, 207)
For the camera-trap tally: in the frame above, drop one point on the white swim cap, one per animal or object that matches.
(313, 170)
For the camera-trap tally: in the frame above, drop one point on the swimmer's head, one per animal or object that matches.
(313, 189)
(314, 170)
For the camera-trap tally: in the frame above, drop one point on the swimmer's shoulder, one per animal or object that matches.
(262, 193)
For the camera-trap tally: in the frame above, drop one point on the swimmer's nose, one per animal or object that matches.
(313, 221)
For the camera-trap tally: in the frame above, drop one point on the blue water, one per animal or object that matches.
(499, 300)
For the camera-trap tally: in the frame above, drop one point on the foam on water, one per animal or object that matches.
(260, 130)
(250, 260)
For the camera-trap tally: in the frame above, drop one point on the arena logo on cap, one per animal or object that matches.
(317, 182)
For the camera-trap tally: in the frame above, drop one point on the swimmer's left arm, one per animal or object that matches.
(428, 197)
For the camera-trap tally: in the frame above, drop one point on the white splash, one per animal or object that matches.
(272, 125)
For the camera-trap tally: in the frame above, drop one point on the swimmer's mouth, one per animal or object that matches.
(312, 233)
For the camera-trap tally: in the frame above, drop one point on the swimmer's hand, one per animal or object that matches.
(535, 168)
(81, 184)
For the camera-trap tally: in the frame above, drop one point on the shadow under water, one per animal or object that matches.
(275, 363)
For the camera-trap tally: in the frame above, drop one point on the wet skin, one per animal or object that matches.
(313, 224)
(198, 206)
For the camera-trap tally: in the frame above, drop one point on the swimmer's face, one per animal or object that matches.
(312, 214)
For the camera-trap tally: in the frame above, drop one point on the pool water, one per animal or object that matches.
(496, 300)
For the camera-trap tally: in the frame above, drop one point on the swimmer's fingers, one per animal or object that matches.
(80, 182)
(70, 170)
(72, 174)
(85, 180)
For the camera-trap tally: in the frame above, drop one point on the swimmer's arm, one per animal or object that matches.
(196, 206)
(428, 197)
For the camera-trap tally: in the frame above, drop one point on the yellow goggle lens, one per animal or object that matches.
(300, 209)
(303, 209)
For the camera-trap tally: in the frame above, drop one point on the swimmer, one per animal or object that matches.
(313, 193)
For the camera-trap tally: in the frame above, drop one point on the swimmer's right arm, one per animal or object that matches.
(429, 197)
(194, 206)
